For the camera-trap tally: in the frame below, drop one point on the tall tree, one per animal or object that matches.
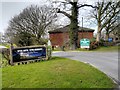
(31, 25)
(105, 13)
(112, 26)
(73, 16)
(115, 29)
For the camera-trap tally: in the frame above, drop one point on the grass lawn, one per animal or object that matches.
(108, 48)
(103, 48)
(55, 73)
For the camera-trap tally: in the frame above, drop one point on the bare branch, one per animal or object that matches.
(80, 6)
(66, 14)
(106, 7)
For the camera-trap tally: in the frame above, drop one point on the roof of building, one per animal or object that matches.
(66, 28)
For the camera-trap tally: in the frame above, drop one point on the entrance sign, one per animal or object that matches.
(28, 53)
(85, 43)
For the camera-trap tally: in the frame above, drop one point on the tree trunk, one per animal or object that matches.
(73, 34)
(98, 34)
(98, 31)
(72, 47)
(98, 37)
(107, 36)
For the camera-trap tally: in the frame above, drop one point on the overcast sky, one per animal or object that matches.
(10, 8)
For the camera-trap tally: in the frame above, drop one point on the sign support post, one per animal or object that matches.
(11, 56)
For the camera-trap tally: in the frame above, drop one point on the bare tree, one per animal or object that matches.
(111, 27)
(73, 16)
(31, 24)
(115, 29)
(105, 13)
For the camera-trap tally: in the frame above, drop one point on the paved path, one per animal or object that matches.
(107, 62)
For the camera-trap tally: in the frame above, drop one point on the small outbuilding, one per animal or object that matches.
(60, 36)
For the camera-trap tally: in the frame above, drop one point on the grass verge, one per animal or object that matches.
(55, 73)
(102, 48)
(107, 48)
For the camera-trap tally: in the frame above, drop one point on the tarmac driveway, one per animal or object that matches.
(107, 62)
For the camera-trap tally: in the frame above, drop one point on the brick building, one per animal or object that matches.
(60, 36)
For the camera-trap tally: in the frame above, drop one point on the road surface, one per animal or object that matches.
(107, 62)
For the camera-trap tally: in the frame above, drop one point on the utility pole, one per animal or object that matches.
(82, 27)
